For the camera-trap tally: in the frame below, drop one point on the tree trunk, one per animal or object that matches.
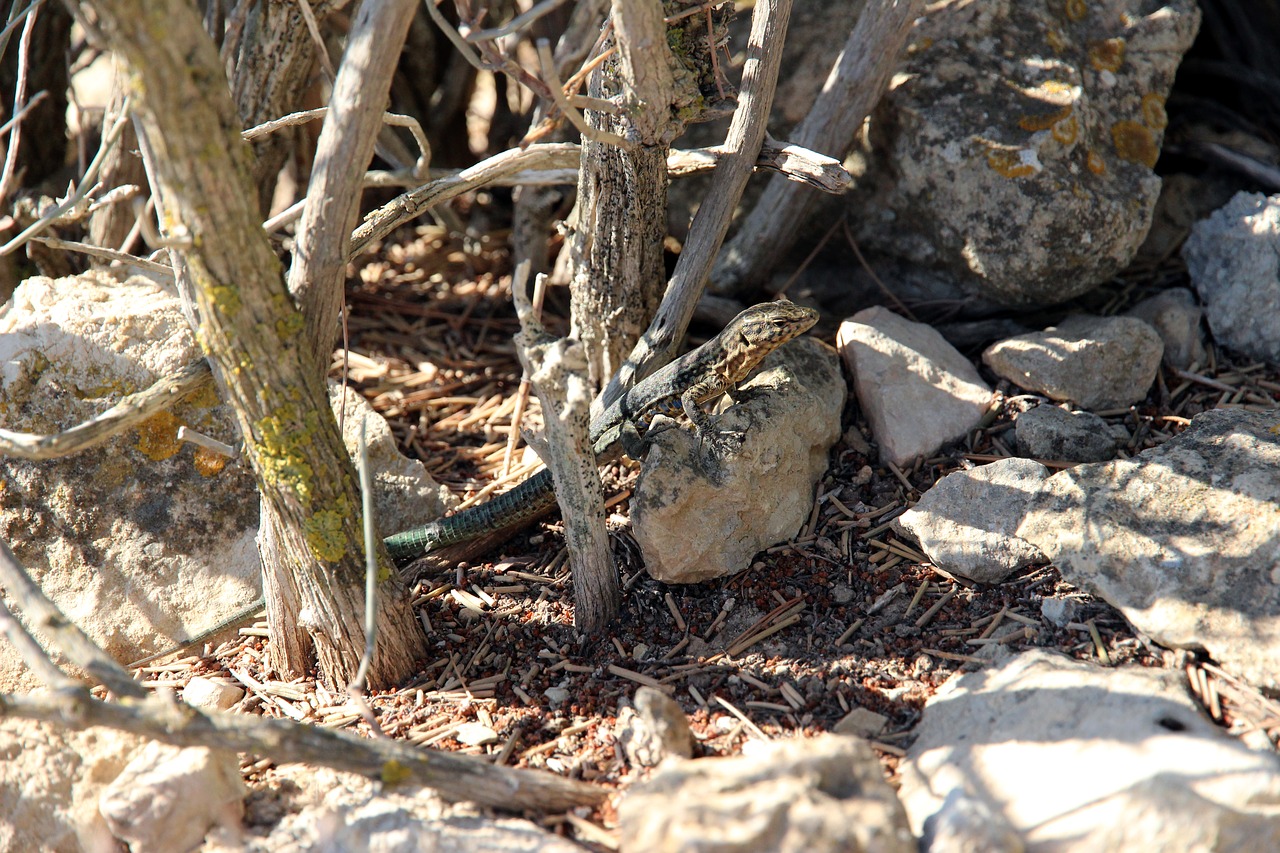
(253, 334)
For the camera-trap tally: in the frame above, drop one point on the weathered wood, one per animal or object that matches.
(251, 331)
(853, 87)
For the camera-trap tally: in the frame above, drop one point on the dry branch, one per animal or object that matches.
(131, 410)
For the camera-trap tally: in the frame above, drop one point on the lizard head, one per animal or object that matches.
(769, 325)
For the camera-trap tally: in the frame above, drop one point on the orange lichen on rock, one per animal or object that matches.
(158, 436)
(1107, 55)
(1034, 123)
(209, 463)
(1009, 163)
(1076, 9)
(1094, 162)
(1135, 143)
(1153, 113)
(1067, 130)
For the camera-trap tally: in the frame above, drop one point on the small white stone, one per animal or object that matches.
(475, 734)
(206, 693)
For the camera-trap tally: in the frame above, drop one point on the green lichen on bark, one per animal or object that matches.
(286, 439)
(325, 532)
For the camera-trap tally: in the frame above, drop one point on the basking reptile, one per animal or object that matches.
(680, 387)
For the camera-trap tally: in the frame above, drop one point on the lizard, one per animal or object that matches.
(680, 387)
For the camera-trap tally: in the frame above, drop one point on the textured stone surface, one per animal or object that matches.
(1096, 362)
(1233, 258)
(917, 391)
(1016, 148)
(1074, 756)
(800, 796)
(655, 729)
(211, 695)
(120, 535)
(1048, 432)
(167, 799)
(697, 519)
(1174, 314)
(966, 523)
(49, 785)
(1184, 538)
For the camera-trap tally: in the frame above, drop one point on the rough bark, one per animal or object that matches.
(252, 332)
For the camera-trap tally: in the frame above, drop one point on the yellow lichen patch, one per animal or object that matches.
(393, 773)
(324, 535)
(1134, 143)
(1009, 163)
(1153, 114)
(226, 298)
(1044, 121)
(1095, 163)
(1107, 55)
(158, 436)
(290, 325)
(1055, 41)
(285, 442)
(1056, 87)
(209, 463)
(205, 398)
(1067, 130)
(1076, 10)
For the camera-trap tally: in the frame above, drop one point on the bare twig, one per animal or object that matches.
(794, 162)
(131, 410)
(413, 204)
(393, 119)
(570, 112)
(854, 85)
(520, 21)
(105, 254)
(19, 95)
(45, 618)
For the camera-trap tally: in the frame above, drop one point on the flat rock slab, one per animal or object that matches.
(801, 796)
(966, 523)
(1233, 258)
(1097, 362)
(1184, 539)
(697, 519)
(917, 391)
(1046, 753)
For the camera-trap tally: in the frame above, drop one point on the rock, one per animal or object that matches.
(1184, 539)
(697, 519)
(476, 734)
(965, 824)
(861, 722)
(318, 809)
(50, 780)
(800, 796)
(917, 391)
(211, 695)
(1049, 432)
(1097, 362)
(1074, 756)
(556, 696)
(655, 729)
(1174, 314)
(1059, 611)
(142, 541)
(404, 495)
(167, 799)
(966, 523)
(1016, 146)
(1233, 258)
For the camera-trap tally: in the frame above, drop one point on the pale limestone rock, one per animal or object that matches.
(1233, 258)
(1174, 314)
(50, 780)
(1015, 145)
(1184, 539)
(917, 391)
(211, 695)
(809, 795)
(697, 517)
(967, 522)
(1075, 756)
(1097, 362)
